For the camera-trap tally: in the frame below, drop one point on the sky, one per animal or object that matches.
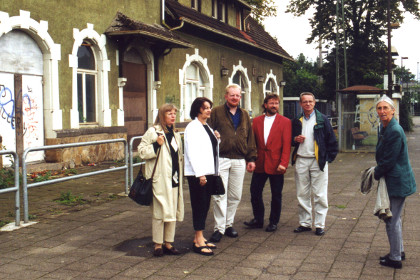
(291, 33)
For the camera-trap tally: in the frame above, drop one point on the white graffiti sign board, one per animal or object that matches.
(33, 121)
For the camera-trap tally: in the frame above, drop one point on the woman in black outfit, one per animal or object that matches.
(201, 164)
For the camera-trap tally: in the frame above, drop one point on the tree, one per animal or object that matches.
(302, 75)
(365, 24)
(262, 9)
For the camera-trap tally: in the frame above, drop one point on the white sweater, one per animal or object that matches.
(198, 153)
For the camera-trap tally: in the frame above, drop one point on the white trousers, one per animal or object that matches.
(310, 179)
(232, 172)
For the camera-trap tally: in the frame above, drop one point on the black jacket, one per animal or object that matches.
(326, 146)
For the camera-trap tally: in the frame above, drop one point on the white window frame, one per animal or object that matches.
(103, 65)
(247, 85)
(268, 77)
(93, 73)
(207, 88)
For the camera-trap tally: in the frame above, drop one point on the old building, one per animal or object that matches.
(75, 71)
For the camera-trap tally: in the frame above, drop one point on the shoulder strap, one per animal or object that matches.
(154, 168)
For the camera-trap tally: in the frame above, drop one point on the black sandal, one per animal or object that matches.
(199, 250)
(210, 245)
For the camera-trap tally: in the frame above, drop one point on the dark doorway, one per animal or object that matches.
(135, 95)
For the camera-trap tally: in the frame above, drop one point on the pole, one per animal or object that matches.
(388, 18)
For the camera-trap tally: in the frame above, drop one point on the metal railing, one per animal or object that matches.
(16, 187)
(130, 158)
(61, 146)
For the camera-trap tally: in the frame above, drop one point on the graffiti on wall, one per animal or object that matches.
(7, 106)
(31, 120)
(7, 110)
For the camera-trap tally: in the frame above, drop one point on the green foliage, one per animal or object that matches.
(3, 223)
(70, 171)
(42, 177)
(67, 198)
(403, 75)
(365, 25)
(302, 75)
(406, 120)
(262, 9)
(7, 178)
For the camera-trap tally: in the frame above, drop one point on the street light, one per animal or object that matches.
(402, 67)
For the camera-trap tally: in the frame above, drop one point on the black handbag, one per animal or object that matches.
(218, 188)
(142, 189)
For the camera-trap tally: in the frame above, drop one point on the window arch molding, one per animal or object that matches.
(272, 77)
(207, 80)
(247, 84)
(51, 52)
(102, 66)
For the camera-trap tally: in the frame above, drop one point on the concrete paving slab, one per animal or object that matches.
(111, 239)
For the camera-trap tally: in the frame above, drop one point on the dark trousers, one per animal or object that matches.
(257, 186)
(200, 200)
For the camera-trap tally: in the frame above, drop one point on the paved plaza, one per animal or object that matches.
(112, 239)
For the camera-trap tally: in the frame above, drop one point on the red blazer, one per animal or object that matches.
(277, 150)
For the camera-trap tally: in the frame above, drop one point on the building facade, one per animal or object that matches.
(76, 71)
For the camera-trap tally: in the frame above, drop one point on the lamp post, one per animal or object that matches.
(388, 19)
(402, 70)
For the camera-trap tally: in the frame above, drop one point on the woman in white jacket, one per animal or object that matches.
(201, 164)
(167, 205)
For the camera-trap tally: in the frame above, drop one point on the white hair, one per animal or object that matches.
(385, 99)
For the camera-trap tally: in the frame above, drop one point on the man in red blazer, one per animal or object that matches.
(273, 136)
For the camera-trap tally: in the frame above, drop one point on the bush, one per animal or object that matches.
(406, 120)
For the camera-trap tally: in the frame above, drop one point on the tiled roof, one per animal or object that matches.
(123, 25)
(255, 34)
(360, 89)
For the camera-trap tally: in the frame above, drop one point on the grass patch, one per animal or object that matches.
(341, 206)
(67, 198)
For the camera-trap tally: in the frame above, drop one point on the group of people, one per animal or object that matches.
(222, 142)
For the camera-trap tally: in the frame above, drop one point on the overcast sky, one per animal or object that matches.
(291, 33)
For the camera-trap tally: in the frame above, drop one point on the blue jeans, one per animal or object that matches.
(394, 228)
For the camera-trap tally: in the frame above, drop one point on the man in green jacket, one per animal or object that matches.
(237, 153)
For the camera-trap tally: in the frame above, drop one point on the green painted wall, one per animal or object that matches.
(64, 15)
(213, 52)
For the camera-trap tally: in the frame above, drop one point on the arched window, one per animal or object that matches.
(86, 83)
(239, 80)
(270, 87)
(194, 80)
(194, 86)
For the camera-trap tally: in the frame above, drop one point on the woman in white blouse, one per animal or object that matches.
(201, 164)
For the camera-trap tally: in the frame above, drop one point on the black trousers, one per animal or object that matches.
(257, 186)
(200, 200)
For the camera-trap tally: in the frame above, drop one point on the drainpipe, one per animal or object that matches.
(163, 19)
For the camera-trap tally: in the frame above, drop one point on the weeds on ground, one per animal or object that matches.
(7, 178)
(3, 223)
(70, 171)
(67, 198)
(40, 177)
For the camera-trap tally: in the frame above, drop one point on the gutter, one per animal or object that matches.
(163, 19)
